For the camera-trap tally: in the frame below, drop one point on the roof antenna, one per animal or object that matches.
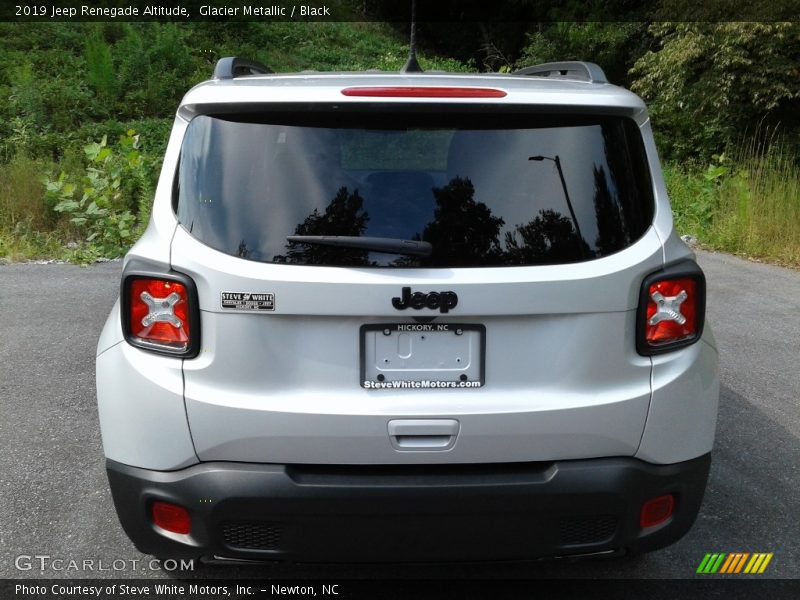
(412, 66)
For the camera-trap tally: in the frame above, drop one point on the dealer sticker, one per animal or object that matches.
(248, 301)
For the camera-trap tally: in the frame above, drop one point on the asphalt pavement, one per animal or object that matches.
(54, 499)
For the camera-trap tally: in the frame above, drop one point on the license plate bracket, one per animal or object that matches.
(422, 355)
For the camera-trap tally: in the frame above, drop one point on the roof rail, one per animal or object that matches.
(235, 66)
(573, 69)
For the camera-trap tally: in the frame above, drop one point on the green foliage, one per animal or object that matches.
(23, 242)
(708, 83)
(28, 226)
(109, 200)
(21, 195)
(748, 205)
(36, 110)
(155, 68)
(153, 134)
(58, 78)
(695, 195)
(99, 70)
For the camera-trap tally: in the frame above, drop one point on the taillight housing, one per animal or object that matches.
(672, 306)
(160, 312)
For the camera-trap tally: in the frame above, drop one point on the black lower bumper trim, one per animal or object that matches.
(409, 513)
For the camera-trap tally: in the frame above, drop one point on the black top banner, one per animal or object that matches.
(530, 11)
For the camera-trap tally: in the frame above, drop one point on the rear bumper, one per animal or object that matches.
(409, 513)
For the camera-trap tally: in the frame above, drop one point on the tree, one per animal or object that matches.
(709, 83)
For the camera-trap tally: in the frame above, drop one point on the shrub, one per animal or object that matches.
(109, 204)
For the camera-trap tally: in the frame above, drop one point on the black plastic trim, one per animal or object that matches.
(237, 109)
(682, 269)
(140, 269)
(412, 513)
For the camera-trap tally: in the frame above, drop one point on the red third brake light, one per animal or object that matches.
(159, 313)
(424, 92)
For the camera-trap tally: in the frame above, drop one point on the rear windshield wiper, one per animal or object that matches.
(374, 244)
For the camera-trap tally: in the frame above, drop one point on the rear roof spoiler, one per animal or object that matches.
(231, 67)
(575, 70)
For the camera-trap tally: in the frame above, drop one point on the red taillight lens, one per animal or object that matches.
(159, 313)
(671, 311)
(656, 510)
(424, 92)
(171, 517)
(672, 306)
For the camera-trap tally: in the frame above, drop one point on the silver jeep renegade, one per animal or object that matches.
(408, 317)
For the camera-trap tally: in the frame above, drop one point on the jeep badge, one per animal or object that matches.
(444, 301)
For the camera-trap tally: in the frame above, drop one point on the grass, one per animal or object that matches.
(24, 243)
(759, 212)
(29, 228)
(748, 205)
(22, 195)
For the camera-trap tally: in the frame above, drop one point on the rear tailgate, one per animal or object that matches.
(283, 383)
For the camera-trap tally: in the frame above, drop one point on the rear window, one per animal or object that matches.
(478, 190)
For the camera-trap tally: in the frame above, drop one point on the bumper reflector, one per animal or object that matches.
(171, 517)
(656, 510)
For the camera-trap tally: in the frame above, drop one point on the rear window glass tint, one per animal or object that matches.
(482, 190)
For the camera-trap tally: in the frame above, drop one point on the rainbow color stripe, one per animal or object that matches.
(735, 562)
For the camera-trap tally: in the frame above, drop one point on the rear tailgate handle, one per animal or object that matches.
(423, 435)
